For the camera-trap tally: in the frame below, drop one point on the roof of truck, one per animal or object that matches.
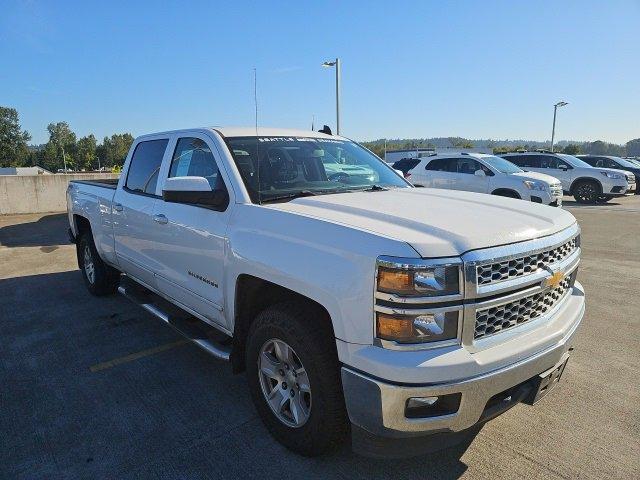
(270, 132)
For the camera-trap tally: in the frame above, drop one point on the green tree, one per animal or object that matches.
(114, 149)
(86, 153)
(571, 149)
(62, 141)
(13, 140)
(633, 147)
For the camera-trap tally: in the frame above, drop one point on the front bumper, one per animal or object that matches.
(377, 407)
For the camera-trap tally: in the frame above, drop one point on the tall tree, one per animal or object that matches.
(86, 149)
(633, 147)
(571, 149)
(114, 149)
(63, 140)
(13, 140)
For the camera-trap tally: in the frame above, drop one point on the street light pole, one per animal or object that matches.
(336, 63)
(553, 130)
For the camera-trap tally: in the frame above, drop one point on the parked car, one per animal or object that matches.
(482, 173)
(607, 161)
(404, 317)
(586, 183)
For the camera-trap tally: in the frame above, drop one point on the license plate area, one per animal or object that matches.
(545, 382)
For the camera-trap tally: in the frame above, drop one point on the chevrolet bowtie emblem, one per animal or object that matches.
(554, 280)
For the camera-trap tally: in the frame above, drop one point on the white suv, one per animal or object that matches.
(586, 183)
(479, 172)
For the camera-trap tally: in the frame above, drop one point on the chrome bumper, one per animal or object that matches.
(378, 407)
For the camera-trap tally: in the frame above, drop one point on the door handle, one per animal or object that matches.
(117, 207)
(160, 218)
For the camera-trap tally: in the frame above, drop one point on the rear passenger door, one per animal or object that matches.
(467, 179)
(441, 173)
(191, 239)
(132, 210)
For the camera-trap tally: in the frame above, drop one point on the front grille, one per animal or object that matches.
(525, 265)
(496, 319)
(556, 190)
(631, 178)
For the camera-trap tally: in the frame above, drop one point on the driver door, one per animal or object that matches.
(467, 179)
(191, 239)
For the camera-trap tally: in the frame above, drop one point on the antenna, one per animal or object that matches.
(255, 101)
(313, 121)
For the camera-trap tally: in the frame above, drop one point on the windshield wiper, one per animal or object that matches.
(291, 196)
(370, 188)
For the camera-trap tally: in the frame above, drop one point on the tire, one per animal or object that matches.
(586, 192)
(321, 424)
(604, 198)
(100, 278)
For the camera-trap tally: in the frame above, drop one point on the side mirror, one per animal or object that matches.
(194, 191)
(563, 167)
(480, 173)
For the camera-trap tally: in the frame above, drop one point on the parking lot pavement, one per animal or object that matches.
(97, 388)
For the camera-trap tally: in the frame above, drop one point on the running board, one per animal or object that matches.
(190, 327)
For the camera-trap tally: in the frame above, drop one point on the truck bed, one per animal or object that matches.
(102, 182)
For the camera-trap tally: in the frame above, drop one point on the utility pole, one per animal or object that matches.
(553, 130)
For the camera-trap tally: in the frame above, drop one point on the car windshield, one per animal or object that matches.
(275, 168)
(573, 161)
(500, 164)
(624, 163)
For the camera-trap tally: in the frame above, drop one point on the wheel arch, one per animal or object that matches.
(253, 295)
(506, 192)
(578, 180)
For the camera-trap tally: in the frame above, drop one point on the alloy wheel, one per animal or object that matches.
(284, 382)
(89, 268)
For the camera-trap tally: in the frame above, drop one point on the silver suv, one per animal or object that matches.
(586, 183)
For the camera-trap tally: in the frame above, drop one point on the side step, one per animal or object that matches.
(203, 335)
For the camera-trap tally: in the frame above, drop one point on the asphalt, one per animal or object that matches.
(97, 388)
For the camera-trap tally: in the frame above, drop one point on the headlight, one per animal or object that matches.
(418, 280)
(612, 175)
(531, 185)
(402, 283)
(420, 328)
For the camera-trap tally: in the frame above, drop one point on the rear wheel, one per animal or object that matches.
(586, 192)
(294, 378)
(100, 278)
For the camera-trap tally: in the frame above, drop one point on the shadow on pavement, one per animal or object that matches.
(174, 414)
(47, 231)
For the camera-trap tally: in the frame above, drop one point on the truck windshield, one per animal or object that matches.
(501, 164)
(286, 167)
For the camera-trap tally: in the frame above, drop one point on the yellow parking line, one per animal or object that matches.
(134, 356)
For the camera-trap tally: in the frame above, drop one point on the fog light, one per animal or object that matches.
(427, 407)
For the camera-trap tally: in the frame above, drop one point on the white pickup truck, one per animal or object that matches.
(359, 305)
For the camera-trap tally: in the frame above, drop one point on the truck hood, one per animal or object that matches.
(436, 223)
(537, 176)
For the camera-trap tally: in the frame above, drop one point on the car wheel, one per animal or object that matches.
(294, 378)
(586, 192)
(100, 278)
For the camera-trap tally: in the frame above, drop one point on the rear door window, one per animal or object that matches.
(144, 167)
(443, 165)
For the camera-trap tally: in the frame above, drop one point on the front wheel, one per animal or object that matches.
(294, 378)
(100, 278)
(586, 192)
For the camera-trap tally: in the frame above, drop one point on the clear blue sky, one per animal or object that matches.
(482, 69)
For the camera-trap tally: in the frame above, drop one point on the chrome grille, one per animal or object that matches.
(521, 266)
(556, 190)
(631, 178)
(496, 319)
